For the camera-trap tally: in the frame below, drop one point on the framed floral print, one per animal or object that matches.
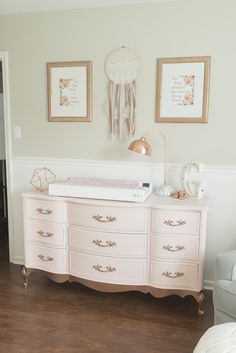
(183, 89)
(69, 91)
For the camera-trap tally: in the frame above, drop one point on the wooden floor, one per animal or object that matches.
(70, 318)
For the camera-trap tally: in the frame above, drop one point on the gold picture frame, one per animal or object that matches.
(69, 91)
(183, 89)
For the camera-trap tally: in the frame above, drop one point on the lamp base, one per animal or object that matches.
(164, 190)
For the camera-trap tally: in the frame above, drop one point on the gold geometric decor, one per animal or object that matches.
(41, 178)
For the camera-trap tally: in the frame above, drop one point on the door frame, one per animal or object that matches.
(8, 150)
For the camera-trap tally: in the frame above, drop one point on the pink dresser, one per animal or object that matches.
(157, 246)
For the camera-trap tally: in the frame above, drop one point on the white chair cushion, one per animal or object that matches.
(218, 339)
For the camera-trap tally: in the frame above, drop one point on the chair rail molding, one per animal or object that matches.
(208, 168)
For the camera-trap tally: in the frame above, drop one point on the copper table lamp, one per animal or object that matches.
(142, 146)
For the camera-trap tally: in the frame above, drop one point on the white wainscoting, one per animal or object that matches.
(220, 188)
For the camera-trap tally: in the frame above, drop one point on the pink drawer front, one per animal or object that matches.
(126, 219)
(108, 244)
(52, 211)
(45, 232)
(175, 222)
(107, 269)
(46, 258)
(173, 275)
(171, 247)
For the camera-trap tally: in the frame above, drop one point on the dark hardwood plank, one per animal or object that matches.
(4, 250)
(70, 318)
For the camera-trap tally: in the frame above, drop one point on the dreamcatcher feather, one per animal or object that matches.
(122, 68)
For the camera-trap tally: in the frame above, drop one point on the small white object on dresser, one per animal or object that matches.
(157, 246)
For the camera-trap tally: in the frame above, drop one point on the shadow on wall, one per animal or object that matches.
(118, 150)
(115, 150)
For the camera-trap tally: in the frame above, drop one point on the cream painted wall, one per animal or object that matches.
(184, 28)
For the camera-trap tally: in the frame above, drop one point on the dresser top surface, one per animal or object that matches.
(153, 201)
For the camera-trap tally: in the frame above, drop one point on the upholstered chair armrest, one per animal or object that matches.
(225, 266)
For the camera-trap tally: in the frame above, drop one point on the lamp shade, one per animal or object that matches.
(141, 146)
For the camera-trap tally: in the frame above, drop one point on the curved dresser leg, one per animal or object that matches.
(25, 277)
(200, 299)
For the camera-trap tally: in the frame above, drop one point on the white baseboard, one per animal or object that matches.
(18, 260)
(208, 285)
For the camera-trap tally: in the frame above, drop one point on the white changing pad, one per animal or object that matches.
(98, 188)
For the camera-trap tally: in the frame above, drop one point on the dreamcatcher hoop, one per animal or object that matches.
(122, 67)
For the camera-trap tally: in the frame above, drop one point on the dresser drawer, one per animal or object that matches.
(53, 211)
(46, 233)
(108, 244)
(109, 218)
(173, 275)
(107, 269)
(174, 248)
(46, 258)
(175, 222)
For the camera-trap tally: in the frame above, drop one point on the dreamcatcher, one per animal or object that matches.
(122, 68)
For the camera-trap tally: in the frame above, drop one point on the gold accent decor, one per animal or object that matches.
(109, 243)
(107, 219)
(180, 194)
(45, 258)
(200, 299)
(175, 275)
(112, 288)
(42, 211)
(170, 248)
(172, 224)
(41, 178)
(108, 268)
(25, 277)
(43, 234)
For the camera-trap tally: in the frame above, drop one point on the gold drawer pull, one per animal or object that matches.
(107, 219)
(109, 243)
(172, 224)
(44, 235)
(107, 268)
(42, 211)
(45, 258)
(170, 248)
(175, 275)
